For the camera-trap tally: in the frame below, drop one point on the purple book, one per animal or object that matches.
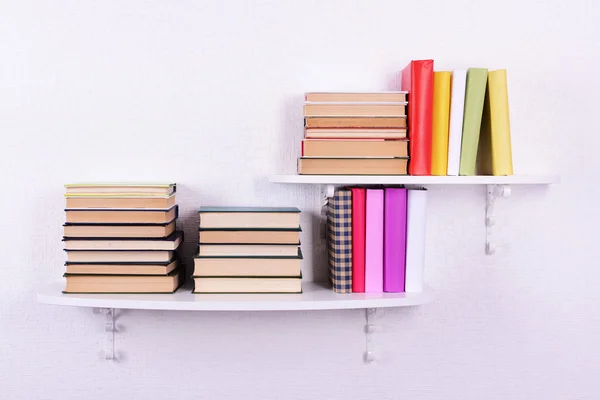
(394, 247)
(374, 242)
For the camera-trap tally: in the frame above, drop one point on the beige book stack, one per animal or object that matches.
(121, 238)
(354, 134)
(248, 250)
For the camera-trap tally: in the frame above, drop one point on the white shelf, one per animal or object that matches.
(314, 297)
(416, 180)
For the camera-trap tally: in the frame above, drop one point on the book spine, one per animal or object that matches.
(440, 123)
(374, 242)
(417, 79)
(500, 123)
(474, 99)
(394, 246)
(339, 243)
(457, 109)
(358, 240)
(415, 239)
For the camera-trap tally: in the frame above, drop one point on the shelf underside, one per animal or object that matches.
(544, 179)
(314, 297)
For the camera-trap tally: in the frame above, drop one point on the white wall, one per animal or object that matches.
(208, 94)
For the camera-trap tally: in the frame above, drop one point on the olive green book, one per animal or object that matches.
(474, 100)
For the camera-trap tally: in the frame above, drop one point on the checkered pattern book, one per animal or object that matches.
(339, 240)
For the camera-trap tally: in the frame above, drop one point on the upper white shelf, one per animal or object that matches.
(314, 297)
(416, 180)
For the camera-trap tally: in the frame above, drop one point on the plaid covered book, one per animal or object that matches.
(339, 240)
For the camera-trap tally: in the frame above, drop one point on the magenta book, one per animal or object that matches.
(394, 242)
(374, 242)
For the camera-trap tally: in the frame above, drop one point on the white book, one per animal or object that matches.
(457, 108)
(416, 218)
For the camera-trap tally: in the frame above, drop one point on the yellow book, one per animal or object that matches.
(440, 123)
(497, 150)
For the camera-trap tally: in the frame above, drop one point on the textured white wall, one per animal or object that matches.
(208, 94)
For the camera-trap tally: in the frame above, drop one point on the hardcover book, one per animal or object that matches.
(248, 265)
(457, 107)
(80, 283)
(440, 125)
(495, 150)
(416, 220)
(417, 79)
(474, 99)
(339, 240)
(247, 285)
(374, 241)
(249, 217)
(358, 239)
(394, 246)
(249, 236)
(121, 215)
(171, 242)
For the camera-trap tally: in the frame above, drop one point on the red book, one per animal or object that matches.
(417, 80)
(358, 240)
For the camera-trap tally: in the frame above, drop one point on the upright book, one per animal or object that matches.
(374, 242)
(474, 99)
(417, 79)
(339, 240)
(441, 117)
(394, 246)
(416, 219)
(358, 239)
(457, 109)
(495, 150)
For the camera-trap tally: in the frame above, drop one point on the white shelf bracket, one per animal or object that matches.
(327, 191)
(493, 192)
(109, 331)
(370, 328)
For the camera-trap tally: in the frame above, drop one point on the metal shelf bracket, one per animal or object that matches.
(109, 330)
(493, 192)
(370, 328)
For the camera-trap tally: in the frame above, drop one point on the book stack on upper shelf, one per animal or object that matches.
(376, 239)
(458, 121)
(354, 134)
(121, 238)
(248, 250)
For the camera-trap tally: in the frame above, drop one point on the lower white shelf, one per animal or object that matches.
(315, 296)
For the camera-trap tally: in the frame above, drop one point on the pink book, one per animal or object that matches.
(374, 242)
(358, 240)
(394, 242)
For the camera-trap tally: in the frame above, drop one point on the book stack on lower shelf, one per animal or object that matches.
(376, 239)
(121, 238)
(354, 134)
(248, 250)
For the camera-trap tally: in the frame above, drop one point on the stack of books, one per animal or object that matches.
(354, 134)
(458, 121)
(376, 239)
(248, 250)
(121, 238)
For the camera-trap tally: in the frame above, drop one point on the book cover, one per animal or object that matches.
(474, 99)
(298, 256)
(440, 123)
(416, 219)
(374, 242)
(417, 79)
(358, 239)
(457, 108)
(394, 246)
(339, 240)
(249, 210)
(495, 155)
